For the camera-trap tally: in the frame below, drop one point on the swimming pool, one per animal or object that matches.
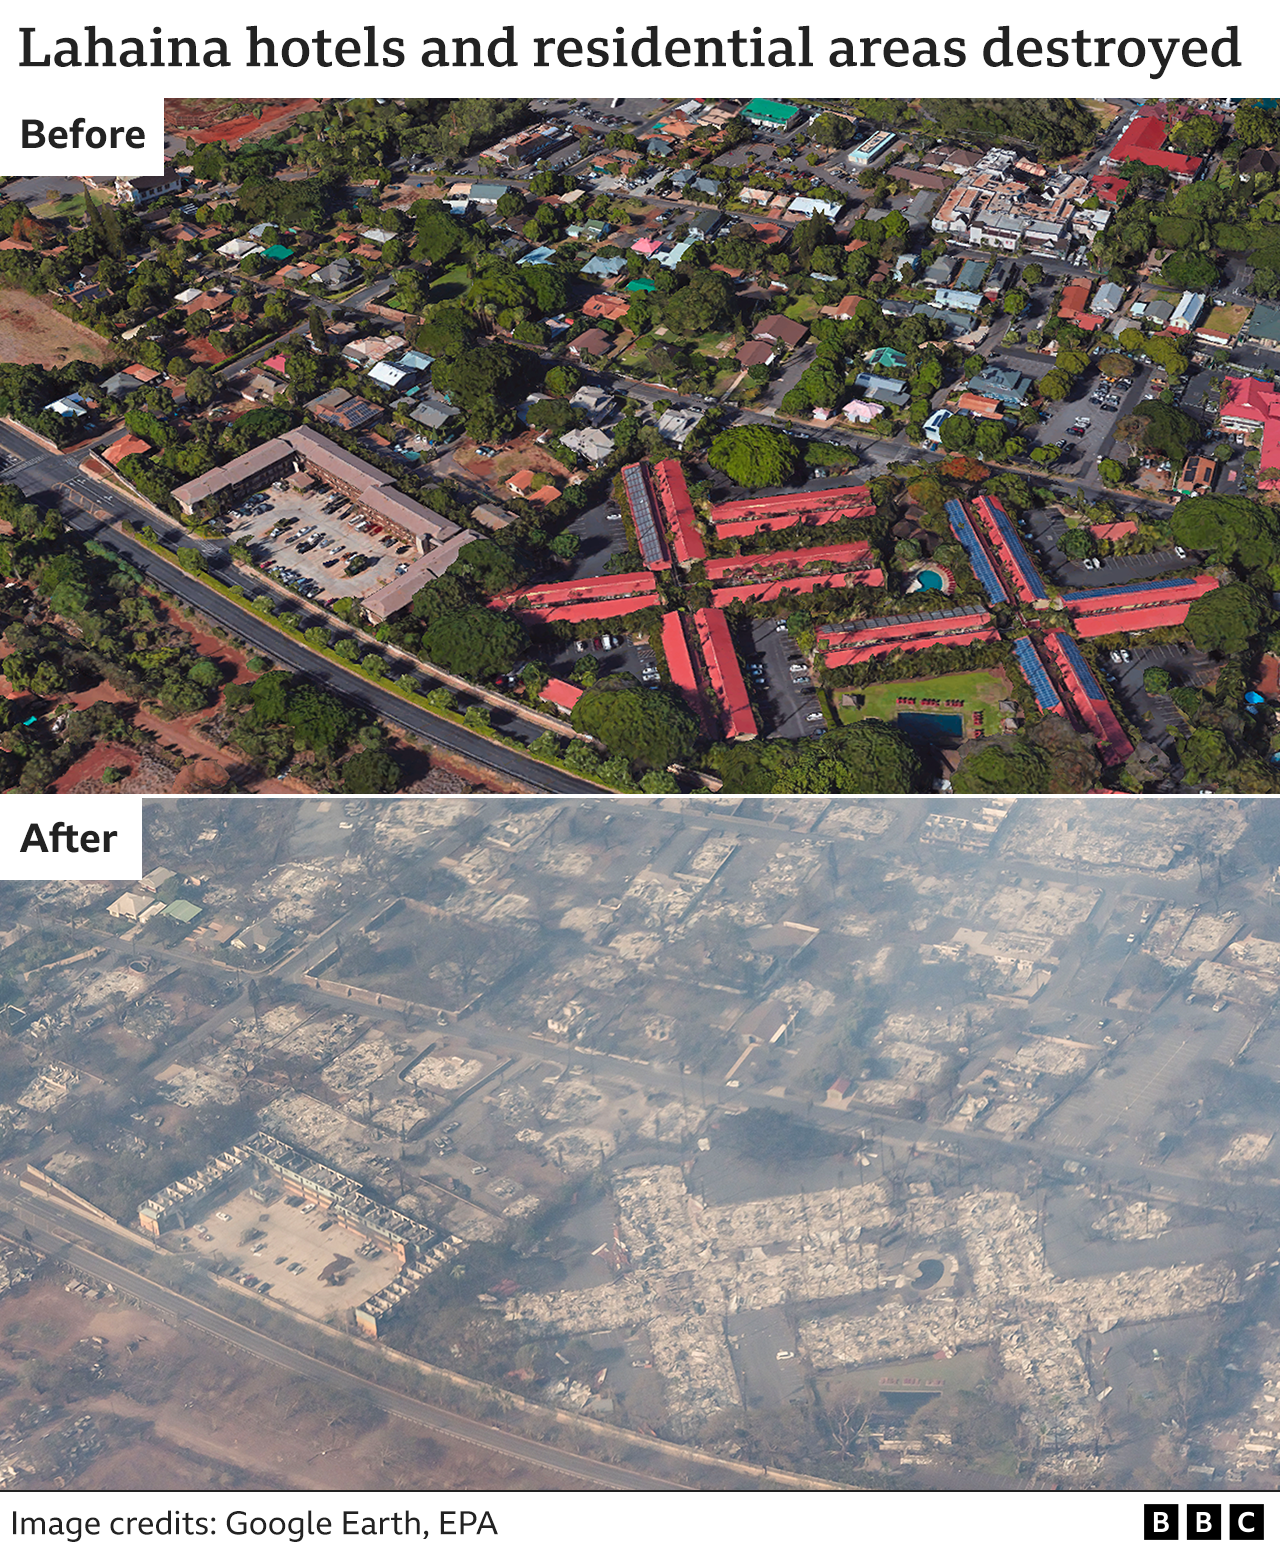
(929, 581)
(931, 724)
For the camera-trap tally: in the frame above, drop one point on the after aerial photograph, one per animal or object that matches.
(735, 1143)
(460, 445)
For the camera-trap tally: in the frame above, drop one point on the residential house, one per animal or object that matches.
(337, 276)
(804, 206)
(590, 443)
(142, 190)
(593, 342)
(522, 483)
(1003, 383)
(1108, 300)
(1198, 476)
(344, 410)
(598, 403)
(778, 330)
(885, 390)
(434, 414)
(1188, 312)
(962, 301)
(933, 426)
(676, 423)
(1252, 407)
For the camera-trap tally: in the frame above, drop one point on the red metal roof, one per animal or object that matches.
(735, 518)
(579, 590)
(684, 675)
(770, 591)
(725, 674)
(1135, 604)
(603, 609)
(562, 694)
(856, 552)
(1143, 142)
(923, 625)
(878, 648)
(677, 510)
(1103, 624)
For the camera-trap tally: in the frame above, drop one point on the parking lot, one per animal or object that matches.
(1045, 529)
(1156, 714)
(621, 656)
(1081, 453)
(313, 547)
(601, 533)
(786, 705)
(291, 1236)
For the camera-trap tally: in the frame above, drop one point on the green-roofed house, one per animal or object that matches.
(767, 114)
(1264, 325)
(641, 285)
(887, 356)
(183, 911)
(278, 253)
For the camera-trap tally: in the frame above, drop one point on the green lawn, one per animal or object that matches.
(804, 309)
(449, 285)
(979, 690)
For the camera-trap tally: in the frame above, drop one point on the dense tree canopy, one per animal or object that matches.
(649, 726)
(1022, 767)
(756, 456)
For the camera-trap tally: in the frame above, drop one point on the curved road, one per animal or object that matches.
(45, 472)
(49, 1233)
(292, 653)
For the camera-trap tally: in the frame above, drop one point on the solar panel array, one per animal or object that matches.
(646, 519)
(1017, 549)
(1047, 698)
(1160, 586)
(982, 567)
(1084, 673)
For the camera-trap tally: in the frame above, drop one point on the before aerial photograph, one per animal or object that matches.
(739, 445)
(736, 1143)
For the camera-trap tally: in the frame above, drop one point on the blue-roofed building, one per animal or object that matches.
(1047, 698)
(962, 301)
(974, 548)
(933, 426)
(537, 256)
(414, 361)
(604, 266)
(887, 356)
(971, 275)
(1005, 384)
(1027, 581)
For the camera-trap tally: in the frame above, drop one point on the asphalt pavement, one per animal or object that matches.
(38, 472)
(88, 1249)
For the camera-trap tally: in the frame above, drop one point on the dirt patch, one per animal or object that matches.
(33, 334)
(522, 453)
(202, 119)
(186, 1411)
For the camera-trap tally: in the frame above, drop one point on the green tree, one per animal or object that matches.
(476, 644)
(1020, 767)
(1227, 620)
(755, 456)
(649, 726)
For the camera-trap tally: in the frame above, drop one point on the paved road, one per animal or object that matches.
(89, 1249)
(39, 472)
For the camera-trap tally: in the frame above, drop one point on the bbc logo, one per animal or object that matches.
(1160, 1522)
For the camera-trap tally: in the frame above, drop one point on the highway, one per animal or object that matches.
(87, 1247)
(57, 477)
